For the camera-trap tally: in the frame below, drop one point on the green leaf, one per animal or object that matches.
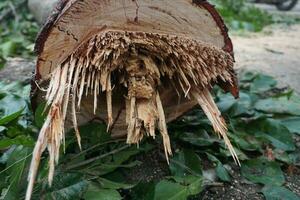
(144, 191)
(234, 107)
(222, 173)
(262, 83)
(247, 76)
(226, 153)
(282, 156)
(11, 117)
(186, 162)
(292, 123)
(278, 106)
(112, 162)
(19, 140)
(66, 186)
(194, 183)
(278, 193)
(263, 171)
(273, 131)
(169, 190)
(102, 194)
(200, 140)
(95, 192)
(8, 48)
(94, 132)
(226, 101)
(220, 169)
(295, 158)
(40, 115)
(246, 141)
(16, 164)
(107, 184)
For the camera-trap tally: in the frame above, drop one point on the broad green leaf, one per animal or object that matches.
(107, 184)
(262, 83)
(243, 106)
(19, 140)
(247, 76)
(263, 171)
(246, 141)
(200, 140)
(15, 129)
(15, 167)
(102, 194)
(143, 191)
(279, 193)
(11, 117)
(282, 156)
(194, 183)
(169, 190)
(225, 102)
(94, 192)
(110, 163)
(295, 158)
(66, 186)
(220, 169)
(292, 123)
(186, 162)
(222, 173)
(40, 115)
(234, 107)
(278, 106)
(94, 133)
(273, 131)
(226, 153)
(8, 48)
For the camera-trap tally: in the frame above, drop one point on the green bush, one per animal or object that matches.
(242, 16)
(17, 30)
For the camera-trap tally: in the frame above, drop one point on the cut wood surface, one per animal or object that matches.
(74, 21)
(135, 65)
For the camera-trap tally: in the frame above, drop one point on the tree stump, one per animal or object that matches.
(134, 64)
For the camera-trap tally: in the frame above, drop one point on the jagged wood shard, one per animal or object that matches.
(133, 75)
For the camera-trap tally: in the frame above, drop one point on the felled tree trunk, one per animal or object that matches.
(134, 64)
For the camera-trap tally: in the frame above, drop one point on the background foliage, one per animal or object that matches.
(17, 30)
(240, 15)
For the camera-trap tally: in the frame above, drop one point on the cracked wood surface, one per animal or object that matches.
(79, 19)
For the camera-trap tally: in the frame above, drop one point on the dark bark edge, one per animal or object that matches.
(47, 27)
(228, 47)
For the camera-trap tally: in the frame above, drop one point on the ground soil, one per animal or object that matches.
(275, 51)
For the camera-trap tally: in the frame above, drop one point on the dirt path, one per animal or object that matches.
(275, 51)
